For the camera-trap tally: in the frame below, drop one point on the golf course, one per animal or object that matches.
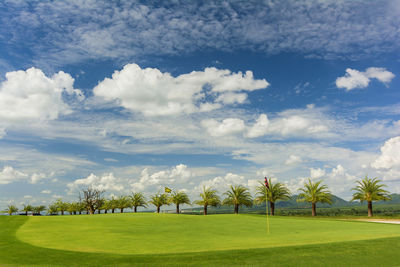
(215, 240)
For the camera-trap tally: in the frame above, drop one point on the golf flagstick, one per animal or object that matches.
(266, 204)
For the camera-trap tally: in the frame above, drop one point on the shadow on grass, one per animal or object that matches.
(383, 252)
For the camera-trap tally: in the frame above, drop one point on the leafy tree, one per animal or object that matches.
(370, 190)
(158, 200)
(73, 208)
(209, 197)
(27, 208)
(80, 207)
(122, 203)
(274, 193)
(61, 206)
(38, 209)
(106, 206)
(11, 209)
(92, 199)
(179, 198)
(52, 209)
(238, 195)
(137, 200)
(314, 193)
(113, 204)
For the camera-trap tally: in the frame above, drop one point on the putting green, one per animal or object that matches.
(168, 233)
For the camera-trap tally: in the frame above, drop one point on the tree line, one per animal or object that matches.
(91, 200)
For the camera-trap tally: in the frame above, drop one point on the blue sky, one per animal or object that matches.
(134, 96)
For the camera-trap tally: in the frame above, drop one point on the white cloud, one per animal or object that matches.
(390, 155)
(177, 175)
(36, 177)
(30, 94)
(293, 159)
(10, 175)
(354, 79)
(388, 162)
(27, 196)
(226, 127)
(132, 30)
(153, 92)
(106, 182)
(46, 192)
(222, 183)
(316, 173)
(260, 128)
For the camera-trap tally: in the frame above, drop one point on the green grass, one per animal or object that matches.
(219, 240)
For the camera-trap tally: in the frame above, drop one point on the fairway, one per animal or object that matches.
(169, 233)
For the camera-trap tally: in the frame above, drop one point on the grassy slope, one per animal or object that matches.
(356, 253)
(121, 233)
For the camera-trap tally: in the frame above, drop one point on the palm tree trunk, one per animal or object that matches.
(205, 209)
(272, 204)
(236, 208)
(370, 214)
(314, 209)
(135, 209)
(177, 208)
(158, 209)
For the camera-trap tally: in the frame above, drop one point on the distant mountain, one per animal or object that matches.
(395, 200)
(292, 203)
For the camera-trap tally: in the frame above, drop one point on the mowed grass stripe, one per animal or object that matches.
(170, 233)
(377, 252)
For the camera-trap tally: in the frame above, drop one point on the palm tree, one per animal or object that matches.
(137, 200)
(158, 200)
(370, 190)
(238, 195)
(179, 198)
(26, 209)
(122, 203)
(11, 209)
(314, 193)
(208, 197)
(274, 193)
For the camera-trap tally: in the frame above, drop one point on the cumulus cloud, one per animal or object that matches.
(180, 174)
(388, 162)
(390, 155)
(30, 94)
(354, 79)
(222, 183)
(338, 179)
(304, 122)
(10, 175)
(260, 127)
(153, 92)
(226, 127)
(46, 192)
(105, 182)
